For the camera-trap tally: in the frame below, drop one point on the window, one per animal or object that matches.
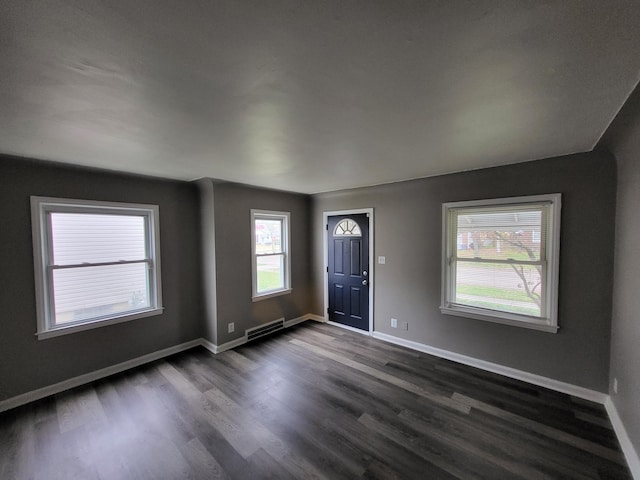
(270, 249)
(500, 260)
(96, 263)
(347, 228)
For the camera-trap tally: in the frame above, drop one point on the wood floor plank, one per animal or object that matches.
(386, 377)
(551, 432)
(555, 456)
(242, 440)
(262, 466)
(593, 419)
(203, 464)
(351, 433)
(300, 433)
(480, 445)
(242, 362)
(10, 444)
(212, 440)
(310, 402)
(513, 443)
(309, 425)
(432, 455)
(296, 465)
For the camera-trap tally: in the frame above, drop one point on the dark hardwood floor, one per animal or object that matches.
(313, 401)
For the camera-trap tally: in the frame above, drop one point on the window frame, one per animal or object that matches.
(41, 208)
(548, 321)
(348, 235)
(285, 217)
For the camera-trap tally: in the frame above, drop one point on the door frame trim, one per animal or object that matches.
(325, 255)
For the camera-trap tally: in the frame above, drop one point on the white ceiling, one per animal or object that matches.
(312, 95)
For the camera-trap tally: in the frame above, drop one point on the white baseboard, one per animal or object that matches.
(532, 378)
(625, 442)
(295, 321)
(92, 376)
(213, 348)
(242, 340)
(317, 318)
(347, 327)
(34, 395)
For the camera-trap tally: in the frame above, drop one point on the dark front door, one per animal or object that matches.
(348, 243)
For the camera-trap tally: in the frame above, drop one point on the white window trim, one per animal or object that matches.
(286, 244)
(549, 322)
(40, 207)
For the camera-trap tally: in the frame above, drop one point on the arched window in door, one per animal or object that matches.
(347, 228)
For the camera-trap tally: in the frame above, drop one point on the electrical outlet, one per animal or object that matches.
(394, 323)
(615, 385)
(405, 325)
(382, 260)
(231, 327)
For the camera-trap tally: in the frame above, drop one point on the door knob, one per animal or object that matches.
(365, 283)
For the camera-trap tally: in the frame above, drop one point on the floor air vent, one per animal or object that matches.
(265, 329)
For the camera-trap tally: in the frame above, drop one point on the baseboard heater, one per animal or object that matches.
(266, 329)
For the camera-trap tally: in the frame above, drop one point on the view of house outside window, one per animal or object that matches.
(501, 260)
(270, 248)
(484, 242)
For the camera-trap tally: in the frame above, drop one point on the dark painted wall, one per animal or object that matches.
(623, 139)
(208, 251)
(27, 363)
(408, 231)
(233, 204)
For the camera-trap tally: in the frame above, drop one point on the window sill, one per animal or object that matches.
(264, 296)
(79, 327)
(505, 319)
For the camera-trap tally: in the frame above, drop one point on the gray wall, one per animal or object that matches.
(27, 363)
(407, 231)
(623, 139)
(233, 204)
(408, 223)
(208, 250)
